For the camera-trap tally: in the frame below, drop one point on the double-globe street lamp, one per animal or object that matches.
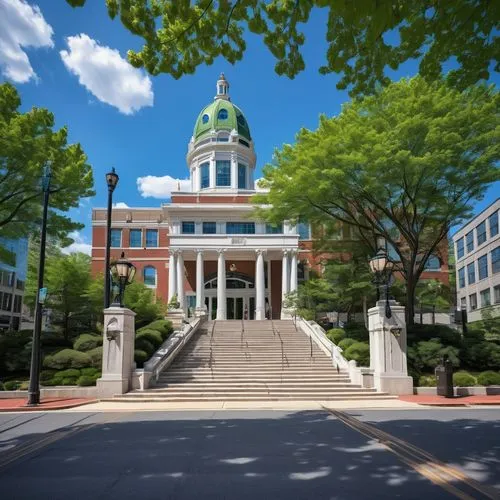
(34, 386)
(111, 180)
(382, 268)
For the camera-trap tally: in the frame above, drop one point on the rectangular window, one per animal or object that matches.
(7, 301)
(471, 273)
(463, 303)
(482, 264)
(469, 239)
(223, 172)
(205, 175)
(473, 302)
(481, 233)
(209, 228)
(274, 228)
(460, 248)
(304, 231)
(188, 227)
(240, 227)
(485, 297)
(18, 300)
(461, 277)
(495, 260)
(135, 238)
(20, 284)
(116, 238)
(242, 176)
(493, 222)
(151, 238)
(496, 294)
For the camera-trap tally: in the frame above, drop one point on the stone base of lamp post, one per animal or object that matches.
(117, 352)
(176, 317)
(388, 349)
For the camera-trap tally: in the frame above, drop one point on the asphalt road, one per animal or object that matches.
(251, 455)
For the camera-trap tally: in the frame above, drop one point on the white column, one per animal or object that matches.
(293, 272)
(180, 280)
(260, 312)
(284, 277)
(221, 285)
(172, 275)
(200, 284)
(269, 289)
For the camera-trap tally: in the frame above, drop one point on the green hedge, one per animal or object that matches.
(153, 336)
(67, 358)
(140, 357)
(488, 378)
(85, 381)
(427, 381)
(87, 342)
(95, 356)
(145, 345)
(164, 326)
(356, 331)
(360, 352)
(90, 372)
(335, 335)
(346, 343)
(12, 385)
(463, 379)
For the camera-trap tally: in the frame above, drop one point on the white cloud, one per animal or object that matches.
(21, 26)
(120, 204)
(161, 187)
(107, 75)
(79, 244)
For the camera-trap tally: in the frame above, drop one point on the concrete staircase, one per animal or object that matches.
(251, 361)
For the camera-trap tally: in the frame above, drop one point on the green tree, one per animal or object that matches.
(434, 294)
(27, 142)
(405, 164)
(67, 278)
(180, 36)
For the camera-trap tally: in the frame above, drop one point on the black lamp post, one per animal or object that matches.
(124, 271)
(34, 387)
(111, 181)
(381, 266)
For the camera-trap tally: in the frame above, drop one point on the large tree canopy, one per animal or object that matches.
(27, 142)
(406, 164)
(364, 37)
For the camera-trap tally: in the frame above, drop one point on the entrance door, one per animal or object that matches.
(238, 308)
(251, 307)
(230, 307)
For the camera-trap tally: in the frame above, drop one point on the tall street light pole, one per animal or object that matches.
(111, 181)
(34, 387)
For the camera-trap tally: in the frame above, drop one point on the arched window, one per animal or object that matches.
(150, 276)
(204, 118)
(432, 264)
(222, 114)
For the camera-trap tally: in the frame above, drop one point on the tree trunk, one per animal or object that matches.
(433, 314)
(421, 314)
(365, 311)
(410, 300)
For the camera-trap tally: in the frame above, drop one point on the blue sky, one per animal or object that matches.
(145, 130)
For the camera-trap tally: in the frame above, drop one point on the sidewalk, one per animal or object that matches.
(7, 405)
(425, 400)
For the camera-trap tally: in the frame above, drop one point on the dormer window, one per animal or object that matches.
(204, 118)
(222, 114)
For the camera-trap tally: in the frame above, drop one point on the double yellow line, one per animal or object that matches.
(447, 477)
(36, 444)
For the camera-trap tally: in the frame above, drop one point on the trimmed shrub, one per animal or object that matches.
(164, 326)
(145, 345)
(85, 381)
(53, 341)
(484, 355)
(336, 335)
(463, 379)
(360, 352)
(12, 385)
(67, 358)
(444, 334)
(429, 353)
(89, 372)
(69, 381)
(24, 385)
(140, 357)
(70, 373)
(47, 375)
(2, 388)
(356, 331)
(346, 343)
(307, 314)
(87, 342)
(427, 381)
(96, 376)
(95, 356)
(153, 336)
(488, 378)
(51, 382)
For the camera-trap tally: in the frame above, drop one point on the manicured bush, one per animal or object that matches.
(87, 342)
(67, 358)
(54, 341)
(356, 331)
(70, 373)
(346, 343)
(50, 383)
(427, 381)
(488, 378)
(95, 356)
(85, 381)
(164, 326)
(444, 334)
(336, 335)
(47, 375)
(145, 345)
(307, 314)
(96, 376)
(69, 381)
(463, 379)
(140, 357)
(2, 388)
(153, 336)
(89, 372)
(12, 385)
(484, 355)
(24, 385)
(428, 354)
(360, 352)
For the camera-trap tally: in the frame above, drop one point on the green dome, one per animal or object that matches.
(221, 115)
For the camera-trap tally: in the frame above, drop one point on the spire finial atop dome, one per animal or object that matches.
(222, 88)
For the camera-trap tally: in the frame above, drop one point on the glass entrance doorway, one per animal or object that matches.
(234, 307)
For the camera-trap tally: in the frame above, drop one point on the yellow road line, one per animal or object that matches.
(421, 461)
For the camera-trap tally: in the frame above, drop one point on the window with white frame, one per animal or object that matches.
(496, 294)
(471, 273)
(493, 223)
(188, 227)
(223, 173)
(116, 238)
(461, 277)
(482, 267)
(135, 238)
(481, 233)
(472, 301)
(150, 276)
(204, 175)
(485, 297)
(151, 238)
(460, 248)
(469, 240)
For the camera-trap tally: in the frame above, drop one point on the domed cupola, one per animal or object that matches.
(221, 154)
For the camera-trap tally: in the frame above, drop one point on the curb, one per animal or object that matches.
(47, 408)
